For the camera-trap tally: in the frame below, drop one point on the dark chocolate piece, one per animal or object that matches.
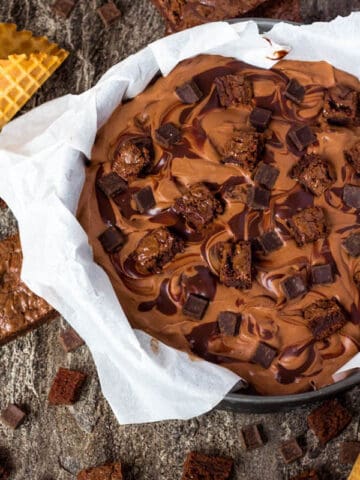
(168, 134)
(109, 13)
(144, 199)
(302, 136)
(341, 105)
(270, 241)
(258, 198)
(70, 340)
(308, 225)
(328, 420)
(324, 318)
(66, 387)
(322, 274)
(110, 471)
(229, 323)
(203, 467)
(195, 306)
(291, 450)
(13, 416)
(111, 184)
(352, 244)
(251, 437)
(234, 89)
(306, 475)
(294, 286)
(351, 196)
(264, 355)
(244, 149)
(235, 265)
(314, 173)
(189, 92)
(352, 156)
(349, 451)
(133, 158)
(260, 118)
(295, 91)
(112, 240)
(63, 8)
(266, 175)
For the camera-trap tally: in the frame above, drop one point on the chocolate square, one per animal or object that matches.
(244, 149)
(295, 91)
(66, 387)
(111, 184)
(204, 467)
(324, 318)
(251, 437)
(308, 225)
(264, 355)
(352, 156)
(322, 274)
(235, 265)
(352, 244)
(168, 134)
(328, 420)
(189, 92)
(270, 241)
(258, 198)
(70, 340)
(112, 240)
(291, 450)
(349, 452)
(195, 306)
(306, 475)
(63, 8)
(234, 89)
(341, 105)
(294, 286)
(302, 136)
(144, 199)
(229, 323)
(315, 173)
(260, 118)
(266, 175)
(109, 13)
(351, 196)
(12, 416)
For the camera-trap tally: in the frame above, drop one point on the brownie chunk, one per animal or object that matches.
(341, 105)
(133, 158)
(156, 249)
(244, 149)
(291, 450)
(260, 118)
(295, 91)
(70, 340)
(308, 225)
(251, 437)
(203, 467)
(266, 175)
(328, 420)
(112, 240)
(195, 306)
(258, 198)
(234, 89)
(314, 173)
(294, 286)
(352, 156)
(66, 387)
(351, 196)
(111, 184)
(264, 355)
(352, 244)
(306, 475)
(12, 416)
(235, 265)
(349, 451)
(270, 241)
(111, 471)
(324, 318)
(229, 323)
(322, 274)
(189, 92)
(302, 136)
(168, 134)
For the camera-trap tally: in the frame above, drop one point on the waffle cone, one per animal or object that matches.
(355, 472)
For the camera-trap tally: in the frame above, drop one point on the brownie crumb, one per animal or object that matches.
(234, 89)
(308, 225)
(244, 149)
(341, 105)
(328, 420)
(111, 471)
(235, 265)
(306, 475)
(133, 158)
(314, 173)
(12, 416)
(290, 450)
(324, 318)
(204, 467)
(352, 156)
(66, 387)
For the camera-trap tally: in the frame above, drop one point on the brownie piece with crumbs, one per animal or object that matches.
(111, 471)
(328, 420)
(235, 265)
(204, 467)
(324, 318)
(233, 90)
(315, 173)
(308, 225)
(244, 149)
(341, 105)
(133, 158)
(66, 387)
(352, 156)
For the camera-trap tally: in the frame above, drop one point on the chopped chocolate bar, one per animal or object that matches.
(144, 199)
(291, 450)
(70, 340)
(322, 274)
(351, 196)
(328, 420)
(66, 387)
(204, 467)
(234, 90)
(264, 355)
(324, 318)
(112, 239)
(270, 241)
(235, 265)
(156, 249)
(260, 118)
(195, 306)
(352, 244)
(314, 173)
(244, 149)
(308, 225)
(189, 92)
(111, 184)
(109, 13)
(198, 206)
(12, 416)
(168, 134)
(352, 156)
(133, 158)
(251, 437)
(110, 471)
(266, 175)
(341, 105)
(302, 136)
(63, 8)
(258, 198)
(295, 91)
(349, 451)
(294, 286)
(229, 323)
(306, 475)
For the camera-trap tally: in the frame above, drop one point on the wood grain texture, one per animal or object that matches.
(55, 442)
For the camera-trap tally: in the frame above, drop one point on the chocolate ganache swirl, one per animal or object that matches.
(192, 247)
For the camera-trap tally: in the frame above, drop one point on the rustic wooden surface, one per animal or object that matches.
(54, 443)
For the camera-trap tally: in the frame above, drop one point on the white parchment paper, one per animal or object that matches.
(41, 177)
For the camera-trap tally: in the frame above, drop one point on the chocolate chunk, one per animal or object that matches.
(349, 452)
(189, 92)
(234, 90)
(229, 323)
(308, 225)
(70, 340)
(291, 450)
(270, 241)
(198, 206)
(351, 196)
(294, 286)
(63, 8)
(168, 134)
(66, 387)
(266, 175)
(109, 13)
(258, 198)
(264, 355)
(12, 416)
(341, 105)
(314, 173)
(306, 475)
(195, 306)
(324, 318)
(352, 244)
(110, 471)
(328, 420)
(352, 156)
(322, 274)
(302, 136)
(203, 467)
(156, 249)
(111, 184)
(244, 149)
(133, 158)
(295, 91)
(144, 199)
(251, 437)
(112, 240)
(260, 118)
(235, 265)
